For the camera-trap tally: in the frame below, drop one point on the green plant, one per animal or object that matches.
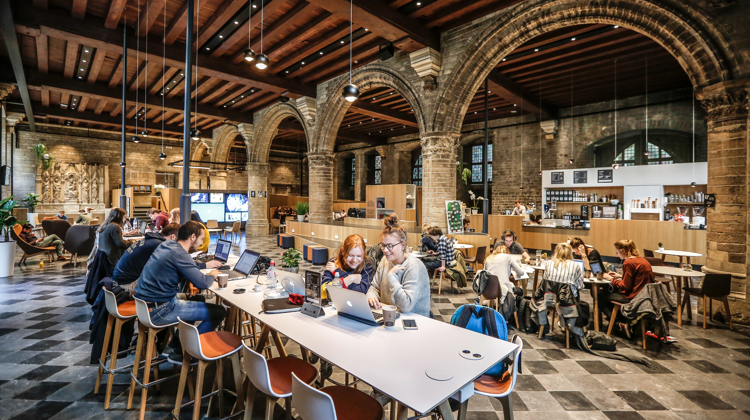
(31, 200)
(302, 208)
(661, 245)
(291, 257)
(7, 219)
(474, 199)
(466, 175)
(43, 155)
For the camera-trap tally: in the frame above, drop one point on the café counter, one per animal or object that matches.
(602, 234)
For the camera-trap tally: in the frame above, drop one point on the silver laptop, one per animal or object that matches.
(291, 282)
(353, 305)
(244, 265)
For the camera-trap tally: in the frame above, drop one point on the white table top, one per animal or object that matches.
(215, 229)
(418, 255)
(462, 246)
(594, 280)
(392, 360)
(678, 253)
(137, 238)
(666, 270)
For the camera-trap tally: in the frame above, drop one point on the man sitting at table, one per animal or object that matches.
(158, 218)
(61, 215)
(84, 218)
(51, 240)
(132, 262)
(509, 239)
(163, 277)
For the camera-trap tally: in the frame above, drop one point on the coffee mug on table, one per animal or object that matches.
(389, 315)
(258, 287)
(222, 279)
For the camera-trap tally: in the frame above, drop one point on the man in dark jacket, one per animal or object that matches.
(164, 275)
(131, 265)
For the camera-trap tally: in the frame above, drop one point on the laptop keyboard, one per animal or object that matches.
(378, 316)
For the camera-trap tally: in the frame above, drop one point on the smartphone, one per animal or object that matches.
(409, 324)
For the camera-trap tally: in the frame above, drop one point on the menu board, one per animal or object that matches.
(455, 216)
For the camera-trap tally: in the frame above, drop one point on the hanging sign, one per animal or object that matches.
(709, 200)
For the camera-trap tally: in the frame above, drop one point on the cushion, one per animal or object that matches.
(351, 403)
(280, 371)
(126, 308)
(493, 385)
(219, 343)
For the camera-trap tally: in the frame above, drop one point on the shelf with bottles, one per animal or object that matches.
(582, 195)
(685, 195)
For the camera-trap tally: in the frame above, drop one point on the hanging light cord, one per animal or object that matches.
(694, 128)
(137, 61)
(540, 121)
(163, 73)
(615, 112)
(351, 24)
(261, 26)
(647, 104)
(249, 26)
(198, 34)
(145, 82)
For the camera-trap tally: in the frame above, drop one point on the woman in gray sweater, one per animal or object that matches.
(400, 279)
(111, 241)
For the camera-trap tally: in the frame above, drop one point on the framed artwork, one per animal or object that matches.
(580, 177)
(605, 176)
(454, 216)
(252, 194)
(558, 177)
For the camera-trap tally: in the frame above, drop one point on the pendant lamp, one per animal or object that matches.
(261, 60)
(162, 155)
(249, 53)
(351, 91)
(195, 134)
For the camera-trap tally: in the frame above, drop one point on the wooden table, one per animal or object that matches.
(681, 254)
(215, 230)
(535, 269)
(678, 274)
(595, 283)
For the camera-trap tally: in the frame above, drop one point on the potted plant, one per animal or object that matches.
(31, 200)
(474, 208)
(465, 173)
(7, 245)
(302, 208)
(661, 246)
(291, 258)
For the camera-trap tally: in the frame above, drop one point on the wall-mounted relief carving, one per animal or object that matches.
(71, 186)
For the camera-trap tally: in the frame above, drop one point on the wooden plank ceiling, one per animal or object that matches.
(72, 53)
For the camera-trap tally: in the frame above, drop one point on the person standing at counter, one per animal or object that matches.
(509, 239)
(636, 274)
(589, 255)
(519, 210)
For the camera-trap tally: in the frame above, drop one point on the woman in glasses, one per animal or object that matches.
(353, 266)
(401, 279)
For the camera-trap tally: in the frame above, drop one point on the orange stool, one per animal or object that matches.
(334, 403)
(274, 378)
(118, 315)
(209, 347)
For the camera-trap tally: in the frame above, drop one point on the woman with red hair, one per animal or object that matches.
(354, 268)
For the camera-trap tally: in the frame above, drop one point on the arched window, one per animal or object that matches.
(374, 169)
(473, 160)
(416, 166)
(660, 147)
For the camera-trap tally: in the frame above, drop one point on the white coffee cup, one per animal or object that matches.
(389, 315)
(258, 287)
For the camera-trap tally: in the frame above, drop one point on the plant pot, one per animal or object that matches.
(30, 217)
(661, 248)
(300, 218)
(7, 250)
(474, 211)
(294, 270)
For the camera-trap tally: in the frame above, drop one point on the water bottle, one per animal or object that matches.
(336, 280)
(271, 274)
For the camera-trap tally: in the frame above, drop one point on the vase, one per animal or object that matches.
(7, 250)
(294, 270)
(661, 248)
(474, 211)
(301, 218)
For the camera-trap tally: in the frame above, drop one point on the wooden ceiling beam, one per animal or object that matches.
(241, 33)
(71, 59)
(78, 10)
(99, 106)
(406, 34)
(373, 140)
(506, 88)
(332, 36)
(383, 113)
(42, 54)
(294, 17)
(149, 16)
(8, 31)
(447, 21)
(96, 65)
(300, 35)
(218, 19)
(115, 13)
(176, 26)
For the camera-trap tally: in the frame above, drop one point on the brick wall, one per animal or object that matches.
(283, 176)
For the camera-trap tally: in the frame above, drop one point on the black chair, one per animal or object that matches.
(714, 287)
(492, 245)
(79, 240)
(57, 227)
(648, 253)
(553, 247)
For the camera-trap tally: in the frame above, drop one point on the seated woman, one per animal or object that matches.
(401, 279)
(354, 268)
(562, 269)
(444, 248)
(499, 264)
(207, 239)
(589, 255)
(636, 274)
(174, 215)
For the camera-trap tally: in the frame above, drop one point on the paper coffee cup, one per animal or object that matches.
(389, 315)
(223, 279)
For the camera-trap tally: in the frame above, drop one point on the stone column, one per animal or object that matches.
(360, 175)
(257, 218)
(438, 175)
(321, 186)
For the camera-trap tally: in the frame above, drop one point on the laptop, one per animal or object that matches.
(580, 263)
(353, 305)
(244, 265)
(223, 248)
(144, 225)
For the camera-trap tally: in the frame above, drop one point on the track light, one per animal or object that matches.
(195, 134)
(162, 155)
(249, 55)
(261, 61)
(351, 92)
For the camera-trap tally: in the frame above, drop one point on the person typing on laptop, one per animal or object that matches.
(562, 269)
(131, 265)
(400, 280)
(353, 266)
(166, 271)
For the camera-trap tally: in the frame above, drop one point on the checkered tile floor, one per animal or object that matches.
(44, 369)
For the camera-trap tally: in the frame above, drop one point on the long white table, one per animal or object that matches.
(392, 360)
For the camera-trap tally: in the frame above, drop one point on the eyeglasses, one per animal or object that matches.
(389, 246)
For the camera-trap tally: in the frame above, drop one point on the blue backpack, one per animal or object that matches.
(485, 321)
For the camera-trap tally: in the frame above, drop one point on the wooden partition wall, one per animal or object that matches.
(278, 200)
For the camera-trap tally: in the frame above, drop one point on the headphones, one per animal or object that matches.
(506, 234)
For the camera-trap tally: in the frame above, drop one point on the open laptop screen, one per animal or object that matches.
(222, 250)
(247, 262)
(580, 262)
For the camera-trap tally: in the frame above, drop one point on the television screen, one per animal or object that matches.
(210, 211)
(232, 217)
(236, 202)
(198, 197)
(217, 197)
(244, 216)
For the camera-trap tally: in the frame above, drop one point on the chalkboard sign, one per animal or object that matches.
(558, 177)
(580, 177)
(709, 200)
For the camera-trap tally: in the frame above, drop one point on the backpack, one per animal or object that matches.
(485, 321)
(261, 265)
(600, 341)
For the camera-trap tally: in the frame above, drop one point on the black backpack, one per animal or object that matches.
(527, 318)
(261, 265)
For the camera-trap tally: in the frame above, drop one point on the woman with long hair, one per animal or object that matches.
(588, 254)
(636, 273)
(562, 269)
(401, 279)
(174, 215)
(352, 265)
(499, 264)
(194, 216)
(111, 240)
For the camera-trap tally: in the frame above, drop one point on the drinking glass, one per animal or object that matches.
(538, 254)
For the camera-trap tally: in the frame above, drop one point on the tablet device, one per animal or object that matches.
(596, 268)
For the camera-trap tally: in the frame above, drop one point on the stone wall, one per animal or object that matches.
(283, 176)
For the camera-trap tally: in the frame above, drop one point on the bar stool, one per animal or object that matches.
(208, 347)
(333, 403)
(144, 325)
(274, 378)
(118, 315)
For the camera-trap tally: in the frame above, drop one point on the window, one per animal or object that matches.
(476, 165)
(658, 156)
(660, 147)
(350, 170)
(374, 169)
(378, 168)
(627, 157)
(416, 167)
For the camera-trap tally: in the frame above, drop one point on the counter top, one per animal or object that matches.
(555, 227)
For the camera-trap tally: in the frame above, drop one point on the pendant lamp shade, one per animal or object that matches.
(249, 55)
(162, 156)
(261, 61)
(136, 139)
(144, 133)
(122, 164)
(351, 92)
(195, 134)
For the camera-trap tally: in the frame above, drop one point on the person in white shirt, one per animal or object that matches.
(562, 269)
(499, 264)
(519, 210)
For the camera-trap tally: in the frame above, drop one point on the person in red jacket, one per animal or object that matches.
(158, 218)
(636, 274)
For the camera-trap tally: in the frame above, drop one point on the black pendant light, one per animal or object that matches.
(144, 133)
(162, 155)
(261, 60)
(249, 53)
(136, 139)
(195, 134)
(351, 91)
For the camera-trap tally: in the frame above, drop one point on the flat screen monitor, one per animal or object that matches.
(596, 268)
(580, 263)
(199, 197)
(232, 217)
(217, 197)
(210, 211)
(236, 202)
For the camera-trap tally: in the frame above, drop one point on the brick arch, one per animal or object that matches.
(200, 148)
(688, 34)
(365, 78)
(223, 138)
(267, 123)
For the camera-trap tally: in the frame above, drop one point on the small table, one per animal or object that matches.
(681, 254)
(215, 230)
(678, 274)
(595, 283)
(463, 248)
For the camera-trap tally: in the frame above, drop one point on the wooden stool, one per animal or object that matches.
(612, 321)
(147, 330)
(334, 403)
(209, 347)
(118, 315)
(552, 326)
(274, 378)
